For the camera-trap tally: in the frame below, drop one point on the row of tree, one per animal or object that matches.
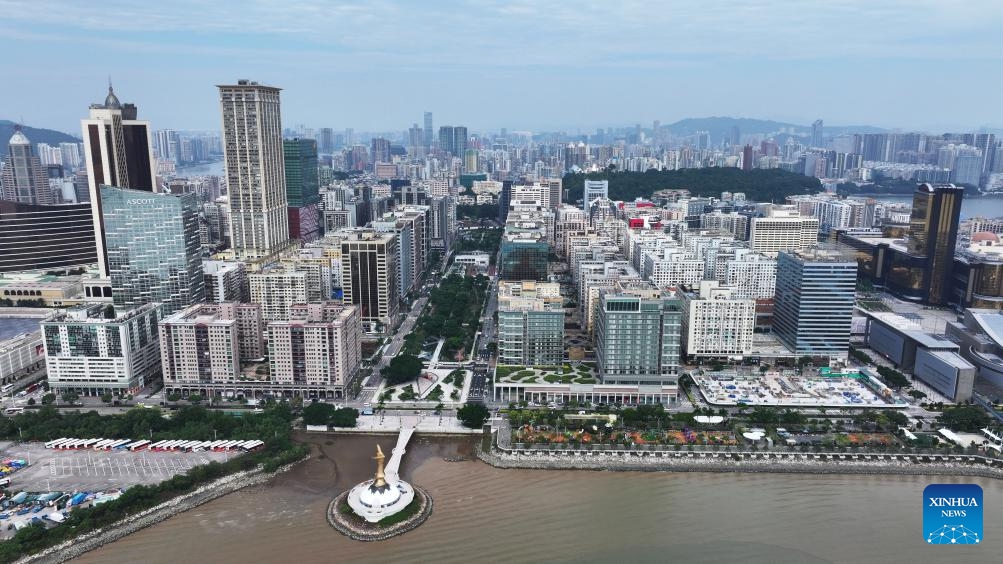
(453, 313)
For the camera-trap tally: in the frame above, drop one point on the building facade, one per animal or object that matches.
(638, 335)
(370, 277)
(34, 237)
(530, 324)
(205, 344)
(23, 179)
(816, 292)
(317, 349)
(255, 169)
(91, 355)
(153, 249)
(716, 324)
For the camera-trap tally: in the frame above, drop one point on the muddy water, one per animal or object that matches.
(483, 514)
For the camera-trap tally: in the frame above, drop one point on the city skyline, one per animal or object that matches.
(563, 64)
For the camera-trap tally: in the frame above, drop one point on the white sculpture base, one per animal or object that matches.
(374, 504)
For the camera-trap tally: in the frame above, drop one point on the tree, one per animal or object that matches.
(472, 415)
(174, 397)
(48, 398)
(892, 377)
(31, 401)
(109, 311)
(70, 397)
(403, 368)
(964, 418)
(318, 414)
(344, 417)
(195, 398)
(106, 397)
(764, 416)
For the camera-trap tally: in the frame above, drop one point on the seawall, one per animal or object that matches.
(77, 546)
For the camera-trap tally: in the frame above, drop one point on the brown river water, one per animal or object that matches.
(485, 515)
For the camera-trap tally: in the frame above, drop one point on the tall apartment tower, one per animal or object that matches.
(118, 151)
(153, 249)
(255, 169)
(302, 189)
(814, 302)
(933, 233)
(24, 179)
(369, 266)
(428, 132)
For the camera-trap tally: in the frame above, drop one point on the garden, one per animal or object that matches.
(606, 434)
(434, 386)
(583, 373)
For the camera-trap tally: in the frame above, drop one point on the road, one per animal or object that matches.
(391, 349)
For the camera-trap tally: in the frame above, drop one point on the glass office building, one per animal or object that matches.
(154, 253)
(638, 336)
(814, 303)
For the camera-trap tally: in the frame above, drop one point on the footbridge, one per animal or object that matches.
(408, 426)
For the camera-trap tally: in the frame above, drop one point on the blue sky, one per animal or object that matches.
(376, 65)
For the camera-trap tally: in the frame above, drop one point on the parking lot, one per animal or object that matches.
(89, 470)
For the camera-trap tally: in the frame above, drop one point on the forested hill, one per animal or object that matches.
(760, 185)
(34, 135)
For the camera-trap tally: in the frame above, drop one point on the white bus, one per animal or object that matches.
(102, 443)
(52, 444)
(138, 445)
(157, 445)
(7, 389)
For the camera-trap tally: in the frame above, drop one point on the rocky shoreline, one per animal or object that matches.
(77, 546)
(369, 533)
(787, 463)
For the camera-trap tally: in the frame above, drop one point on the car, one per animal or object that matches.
(4, 516)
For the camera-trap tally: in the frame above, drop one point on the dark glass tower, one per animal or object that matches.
(933, 234)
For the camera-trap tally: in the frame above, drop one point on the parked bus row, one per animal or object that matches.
(159, 446)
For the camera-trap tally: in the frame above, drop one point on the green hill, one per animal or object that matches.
(720, 127)
(34, 135)
(759, 185)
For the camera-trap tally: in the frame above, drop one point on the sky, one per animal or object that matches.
(377, 65)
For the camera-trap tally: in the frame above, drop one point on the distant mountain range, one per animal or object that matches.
(34, 135)
(720, 127)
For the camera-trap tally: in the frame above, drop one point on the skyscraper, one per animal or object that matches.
(255, 169)
(429, 132)
(747, 157)
(302, 188)
(24, 179)
(816, 290)
(816, 133)
(446, 139)
(118, 152)
(380, 150)
(369, 266)
(933, 233)
(154, 254)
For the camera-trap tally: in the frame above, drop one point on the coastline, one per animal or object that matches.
(752, 462)
(77, 546)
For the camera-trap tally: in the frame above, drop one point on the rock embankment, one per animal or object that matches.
(368, 532)
(743, 462)
(77, 546)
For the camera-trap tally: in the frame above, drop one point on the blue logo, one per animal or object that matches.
(952, 514)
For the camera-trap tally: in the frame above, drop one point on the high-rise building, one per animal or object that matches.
(118, 152)
(638, 335)
(717, 324)
(255, 169)
(276, 289)
(317, 350)
(816, 134)
(783, 229)
(91, 354)
(153, 248)
(453, 140)
(24, 179)
(225, 281)
(555, 186)
(45, 237)
(933, 234)
(594, 189)
(429, 132)
(379, 150)
(747, 157)
(530, 324)
(204, 345)
(816, 290)
(302, 189)
(369, 266)
(325, 140)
